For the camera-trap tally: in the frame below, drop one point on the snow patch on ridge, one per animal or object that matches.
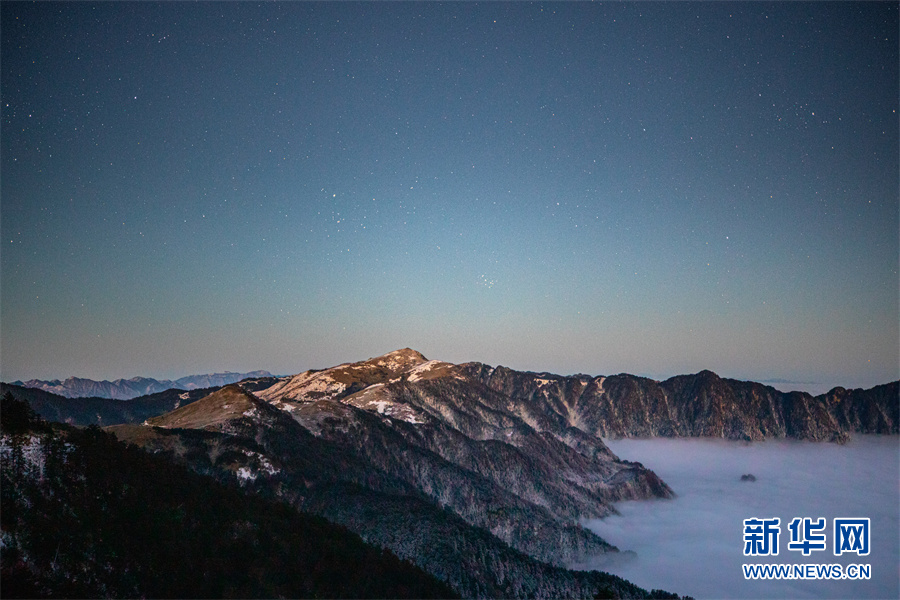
(376, 398)
(307, 386)
(264, 466)
(418, 372)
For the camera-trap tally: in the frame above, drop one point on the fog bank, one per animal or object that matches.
(694, 543)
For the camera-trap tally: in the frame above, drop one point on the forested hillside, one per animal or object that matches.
(85, 516)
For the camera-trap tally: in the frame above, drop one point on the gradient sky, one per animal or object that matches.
(652, 188)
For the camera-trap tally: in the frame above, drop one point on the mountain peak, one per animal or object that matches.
(346, 379)
(402, 359)
(707, 375)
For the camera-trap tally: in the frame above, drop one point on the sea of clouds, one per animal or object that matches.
(694, 544)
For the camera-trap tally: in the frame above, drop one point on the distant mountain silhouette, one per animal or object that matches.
(125, 389)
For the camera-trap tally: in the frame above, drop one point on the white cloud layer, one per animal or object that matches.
(694, 544)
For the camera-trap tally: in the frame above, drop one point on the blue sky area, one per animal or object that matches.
(652, 188)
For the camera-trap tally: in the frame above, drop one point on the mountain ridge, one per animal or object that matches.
(699, 405)
(127, 389)
(694, 405)
(623, 405)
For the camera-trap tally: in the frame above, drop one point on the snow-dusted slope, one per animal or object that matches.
(348, 378)
(362, 384)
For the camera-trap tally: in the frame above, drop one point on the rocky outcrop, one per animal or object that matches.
(876, 410)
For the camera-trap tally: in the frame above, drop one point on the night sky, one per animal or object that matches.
(652, 188)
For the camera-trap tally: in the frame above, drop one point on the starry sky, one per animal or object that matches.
(651, 188)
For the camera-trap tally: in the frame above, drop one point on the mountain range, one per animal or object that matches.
(126, 389)
(479, 475)
(701, 404)
(446, 478)
(413, 437)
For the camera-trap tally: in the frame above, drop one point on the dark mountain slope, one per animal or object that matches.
(103, 411)
(83, 515)
(356, 468)
(379, 445)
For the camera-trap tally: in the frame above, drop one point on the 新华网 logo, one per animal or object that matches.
(761, 535)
